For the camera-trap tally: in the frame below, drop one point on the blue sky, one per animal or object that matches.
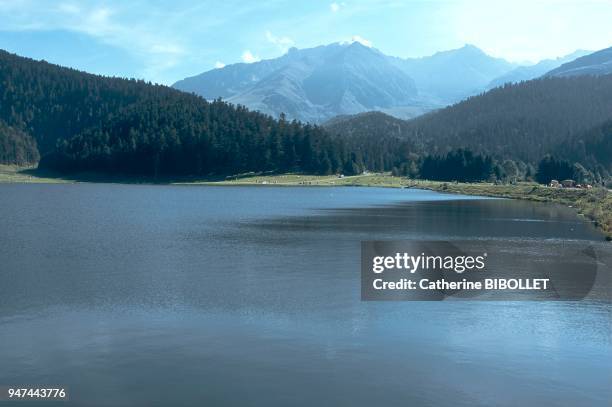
(164, 41)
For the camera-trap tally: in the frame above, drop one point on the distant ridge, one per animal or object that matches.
(311, 85)
(318, 83)
(525, 73)
(597, 63)
(450, 76)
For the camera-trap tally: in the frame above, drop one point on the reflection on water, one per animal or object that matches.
(153, 295)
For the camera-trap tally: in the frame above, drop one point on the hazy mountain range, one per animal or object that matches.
(316, 84)
(311, 84)
(525, 73)
(597, 63)
(450, 76)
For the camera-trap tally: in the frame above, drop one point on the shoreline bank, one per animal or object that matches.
(594, 204)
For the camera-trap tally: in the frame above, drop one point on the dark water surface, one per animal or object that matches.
(164, 295)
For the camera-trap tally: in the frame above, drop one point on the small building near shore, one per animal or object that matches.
(554, 184)
(568, 183)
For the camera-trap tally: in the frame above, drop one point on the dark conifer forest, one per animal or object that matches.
(16, 147)
(523, 121)
(569, 118)
(551, 168)
(458, 165)
(592, 148)
(71, 121)
(84, 122)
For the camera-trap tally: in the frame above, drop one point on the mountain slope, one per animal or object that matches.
(312, 84)
(368, 124)
(49, 102)
(316, 84)
(453, 75)
(230, 80)
(84, 122)
(525, 73)
(597, 63)
(523, 121)
(592, 148)
(16, 147)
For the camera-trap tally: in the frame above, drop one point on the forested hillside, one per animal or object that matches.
(366, 125)
(88, 122)
(82, 122)
(16, 147)
(376, 138)
(49, 102)
(522, 122)
(592, 148)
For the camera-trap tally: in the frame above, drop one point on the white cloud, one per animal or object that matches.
(283, 43)
(361, 40)
(164, 42)
(219, 65)
(249, 58)
(335, 7)
(550, 28)
(159, 50)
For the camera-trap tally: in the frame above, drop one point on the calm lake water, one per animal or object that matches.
(223, 296)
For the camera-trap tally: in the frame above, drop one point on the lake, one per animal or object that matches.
(193, 295)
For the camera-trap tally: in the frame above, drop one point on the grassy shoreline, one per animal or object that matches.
(594, 204)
